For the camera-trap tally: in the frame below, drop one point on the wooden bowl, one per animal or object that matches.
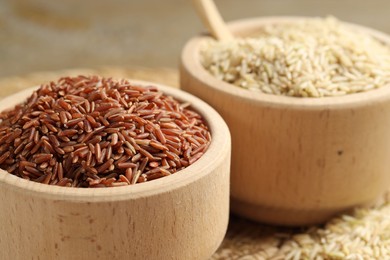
(181, 216)
(297, 161)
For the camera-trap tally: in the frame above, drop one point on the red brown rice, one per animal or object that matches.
(99, 132)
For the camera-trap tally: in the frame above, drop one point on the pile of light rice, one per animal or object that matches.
(362, 234)
(311, 58)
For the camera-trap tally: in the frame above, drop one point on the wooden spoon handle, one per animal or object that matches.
(212, 19)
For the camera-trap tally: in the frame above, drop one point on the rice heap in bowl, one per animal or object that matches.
(310, 58)
(99, 132)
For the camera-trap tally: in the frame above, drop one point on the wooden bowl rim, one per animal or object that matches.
(190, 61)
(212, 158)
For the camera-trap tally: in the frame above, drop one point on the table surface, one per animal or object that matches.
(38, 35)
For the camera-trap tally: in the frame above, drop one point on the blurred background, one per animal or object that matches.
(40, 35)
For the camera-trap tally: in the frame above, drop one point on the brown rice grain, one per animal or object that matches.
(309, 58)
(102, 133)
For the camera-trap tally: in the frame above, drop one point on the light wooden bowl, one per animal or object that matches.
(297, 161)
(182, 216)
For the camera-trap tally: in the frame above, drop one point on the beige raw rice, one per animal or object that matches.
(363, 234)
(311, 58)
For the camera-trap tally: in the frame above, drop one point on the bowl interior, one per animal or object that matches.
(212, 157)
(249, 27)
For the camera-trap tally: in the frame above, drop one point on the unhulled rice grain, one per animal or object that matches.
(311, 58)
(99, 132)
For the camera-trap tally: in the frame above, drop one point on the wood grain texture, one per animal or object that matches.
(183, 216)
(143, 33)
(297, 161)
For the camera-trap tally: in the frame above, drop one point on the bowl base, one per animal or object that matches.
(283, 216)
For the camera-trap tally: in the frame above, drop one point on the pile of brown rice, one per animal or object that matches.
(311, 58)
(99, 132)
